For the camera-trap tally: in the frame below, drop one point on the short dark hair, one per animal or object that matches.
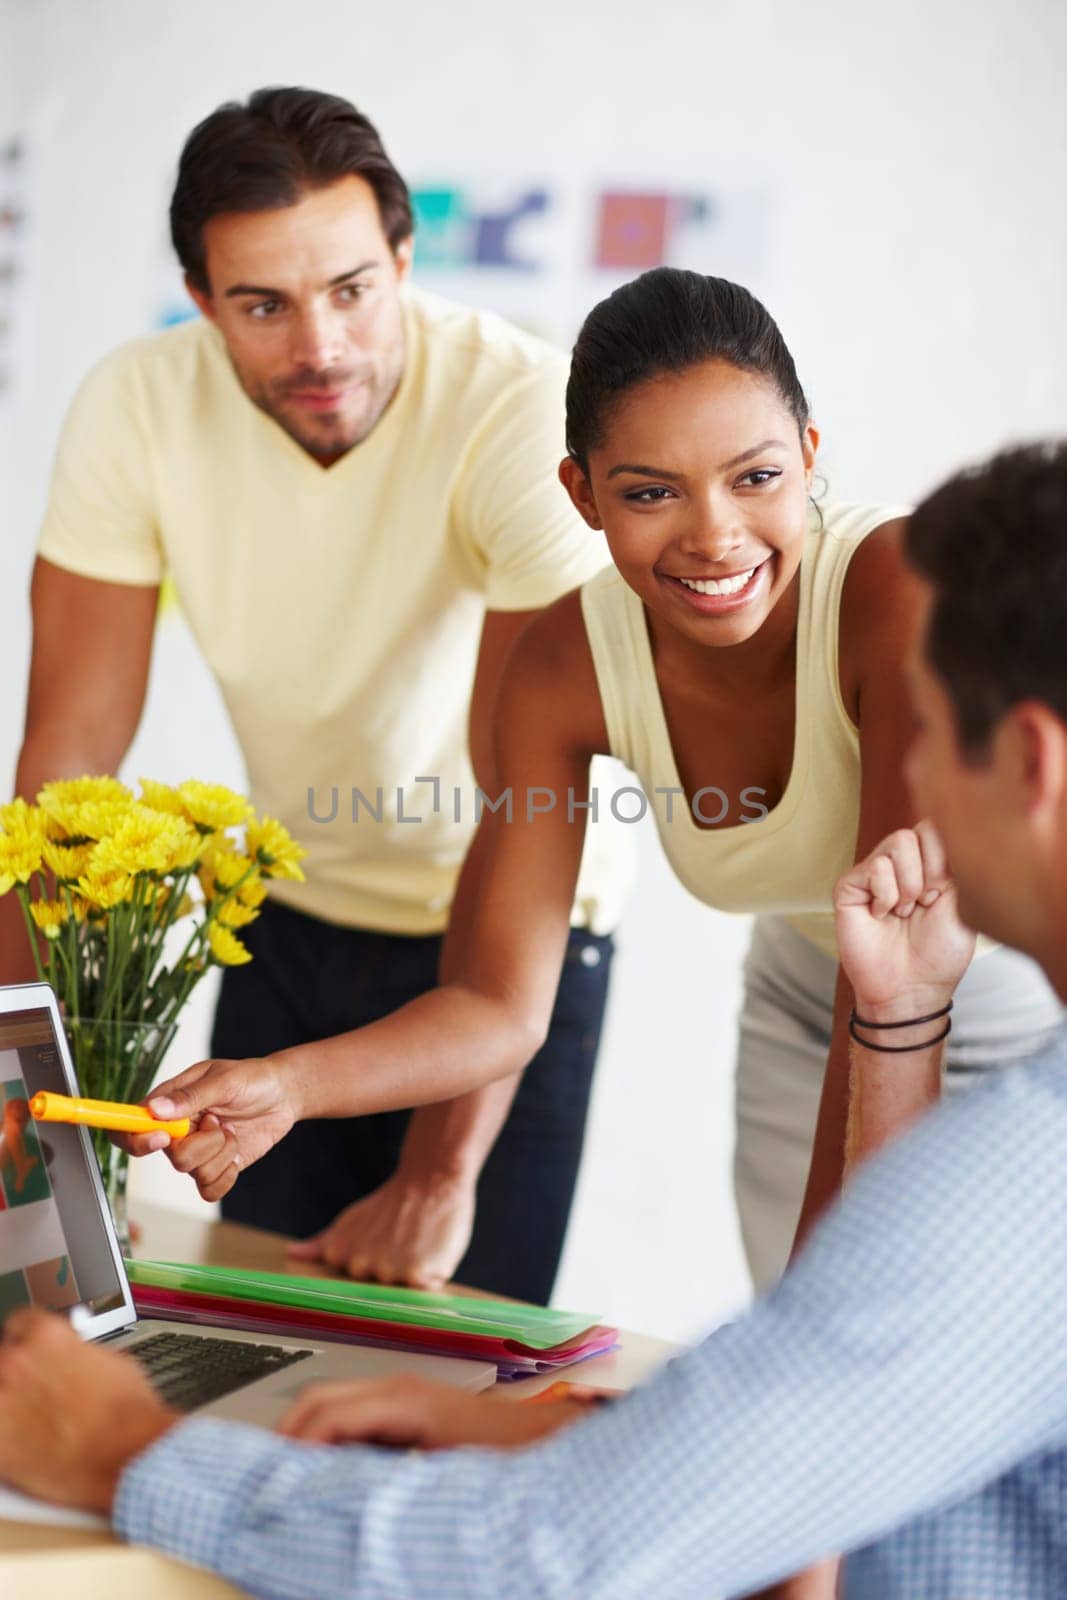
(665, 321)
(992, 542)
(263, 155)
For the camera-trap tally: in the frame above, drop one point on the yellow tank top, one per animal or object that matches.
(788, 860)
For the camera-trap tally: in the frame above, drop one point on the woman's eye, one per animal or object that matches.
(650, 496)
(760, 475)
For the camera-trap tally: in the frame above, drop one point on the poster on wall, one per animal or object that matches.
(544, 252)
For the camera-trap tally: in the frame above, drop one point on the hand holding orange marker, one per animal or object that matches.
(109, 1114)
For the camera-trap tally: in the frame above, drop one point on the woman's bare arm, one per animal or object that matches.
(486, 1022)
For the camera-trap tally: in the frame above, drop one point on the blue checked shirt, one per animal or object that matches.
(901, 1395)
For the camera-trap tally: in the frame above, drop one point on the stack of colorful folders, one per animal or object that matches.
(520, 1339)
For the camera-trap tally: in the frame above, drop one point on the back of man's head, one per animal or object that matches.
(992, 544)
(264, 155)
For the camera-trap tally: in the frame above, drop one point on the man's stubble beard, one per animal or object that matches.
(323, 445)
(330, 440)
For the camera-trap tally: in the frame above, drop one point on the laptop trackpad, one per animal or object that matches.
(266, 1401)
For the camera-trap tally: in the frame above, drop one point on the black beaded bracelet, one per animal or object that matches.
(896, 1049)
(910, 1022)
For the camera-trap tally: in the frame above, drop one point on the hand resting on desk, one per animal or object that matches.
(413, 1230)
(413, 1413)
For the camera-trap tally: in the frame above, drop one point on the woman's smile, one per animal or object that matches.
(716, 597)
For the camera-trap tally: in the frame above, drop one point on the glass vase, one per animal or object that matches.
(116, 1060)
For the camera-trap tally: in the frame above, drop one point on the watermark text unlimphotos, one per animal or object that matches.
(428, 797)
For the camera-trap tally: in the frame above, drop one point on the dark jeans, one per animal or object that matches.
(310, 980)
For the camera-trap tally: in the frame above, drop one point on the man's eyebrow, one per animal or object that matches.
(266, 293)
(641, 471)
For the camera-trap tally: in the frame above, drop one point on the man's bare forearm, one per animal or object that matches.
(868, 1096)
(889, 1091)
(827, 1165)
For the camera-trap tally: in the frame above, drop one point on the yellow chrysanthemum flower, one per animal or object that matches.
(68, 862)
(83, 791)
(221, 866)
(20, 858)
(253, 893)
(230, 869)
(147, 841)
(188, 847)
(232, 914)
(19, 818)
(275, 849)
(212, 806)
(103, 888)
(226, 948)
(161, 797)
(50, 916)
(85, 819)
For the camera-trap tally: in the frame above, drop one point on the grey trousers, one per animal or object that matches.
(1004, 1009)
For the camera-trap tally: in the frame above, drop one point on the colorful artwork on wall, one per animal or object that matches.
(454, 231)
(460, 227)
(636, 230)
(542, 253)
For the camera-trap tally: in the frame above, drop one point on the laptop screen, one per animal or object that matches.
(55, 1244)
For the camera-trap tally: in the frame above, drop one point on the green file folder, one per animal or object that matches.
(536, 1326)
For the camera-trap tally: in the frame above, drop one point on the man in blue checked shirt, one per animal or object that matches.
(901, 1395)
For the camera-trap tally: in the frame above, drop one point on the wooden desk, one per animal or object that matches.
(38, 1562)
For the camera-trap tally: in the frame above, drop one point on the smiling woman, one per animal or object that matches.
(747, 645)
(753, 640)
(691, 446)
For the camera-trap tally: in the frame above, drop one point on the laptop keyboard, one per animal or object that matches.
(190, 1371)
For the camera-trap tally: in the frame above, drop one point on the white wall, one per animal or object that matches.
(915, 259)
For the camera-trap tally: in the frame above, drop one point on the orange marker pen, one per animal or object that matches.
(109, 1114)
(562, 1390)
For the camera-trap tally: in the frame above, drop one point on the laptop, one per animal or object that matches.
(58, 1249)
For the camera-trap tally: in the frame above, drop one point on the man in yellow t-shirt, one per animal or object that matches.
(352, 484)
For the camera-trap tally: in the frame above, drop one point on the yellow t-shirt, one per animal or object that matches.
(340, 609)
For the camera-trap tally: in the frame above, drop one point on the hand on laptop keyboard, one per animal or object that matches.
(72, 1414)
